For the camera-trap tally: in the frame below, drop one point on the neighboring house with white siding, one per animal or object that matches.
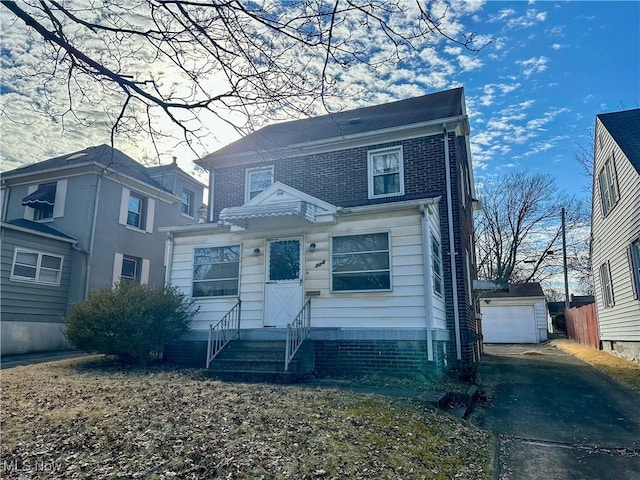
(78, 222)
(615, 231)
(359, 222)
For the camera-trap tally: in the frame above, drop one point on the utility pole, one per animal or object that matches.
(564, 260)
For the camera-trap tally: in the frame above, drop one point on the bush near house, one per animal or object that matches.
(131, 321)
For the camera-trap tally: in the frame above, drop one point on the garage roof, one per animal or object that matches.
(532, 289)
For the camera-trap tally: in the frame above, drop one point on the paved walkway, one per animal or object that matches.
(557, 417)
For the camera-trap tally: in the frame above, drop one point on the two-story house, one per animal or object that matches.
(78, 222)
(358, 223)
(615, 231)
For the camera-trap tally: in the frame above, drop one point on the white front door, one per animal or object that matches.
(283, 289)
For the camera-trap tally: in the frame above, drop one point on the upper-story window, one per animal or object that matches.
(386, 172)
(606, 285)
(187, 203)
(36, 267)
(608, 183)
(136, 211)
(45, 201)
(257, 180)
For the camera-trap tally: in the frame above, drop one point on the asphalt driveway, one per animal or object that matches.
(557, 417)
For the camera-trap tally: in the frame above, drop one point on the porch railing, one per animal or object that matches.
(227, 329)
(297, 332)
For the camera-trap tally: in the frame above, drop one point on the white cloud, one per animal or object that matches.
(533, 65)
(556, 46)
(531, 18)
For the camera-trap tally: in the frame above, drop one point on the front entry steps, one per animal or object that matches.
(261, 361)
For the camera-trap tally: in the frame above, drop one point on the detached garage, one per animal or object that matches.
(516, 315)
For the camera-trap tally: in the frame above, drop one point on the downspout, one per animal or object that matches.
(167, 269)
(452, 245)
(94, 221)
(428, 286)
(211, 180)
(5, 202)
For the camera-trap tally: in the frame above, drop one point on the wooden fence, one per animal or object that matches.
(582, 325)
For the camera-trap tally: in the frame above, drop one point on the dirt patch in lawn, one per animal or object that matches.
(93, 419)
(624, 371)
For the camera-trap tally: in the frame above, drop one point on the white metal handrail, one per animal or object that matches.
(297, 333)
(227, 329)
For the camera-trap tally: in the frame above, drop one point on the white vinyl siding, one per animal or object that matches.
(611, 238)
(404, 307)
(36, 267)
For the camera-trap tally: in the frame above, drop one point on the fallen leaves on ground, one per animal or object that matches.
(88, 419)
(622, 370)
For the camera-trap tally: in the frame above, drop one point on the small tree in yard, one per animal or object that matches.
(131, 321)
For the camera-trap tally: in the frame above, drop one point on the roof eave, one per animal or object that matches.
(460, 123)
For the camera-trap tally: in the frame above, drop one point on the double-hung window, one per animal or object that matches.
(606, 285)
(436, 266)
(130, 269)
(216, 271)
(36, 267)
(361, 262)
(608, 184)
(257, 180)
(634, 264)
(136, 211)
(386, 172)
(187, 203)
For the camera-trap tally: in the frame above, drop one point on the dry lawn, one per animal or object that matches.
(624, 371)
(92, 419)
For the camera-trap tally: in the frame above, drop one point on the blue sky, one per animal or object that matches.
(532, 94)
(555, 65)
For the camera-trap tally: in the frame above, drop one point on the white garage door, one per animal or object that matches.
(509, 324)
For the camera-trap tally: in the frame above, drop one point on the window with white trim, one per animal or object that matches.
(187, 202)
(36, 267)
(608, 183)
(131, 269)
(436, 266)
(386, 172)
(634, 265)
(361, 262)
(136, 211)
(257, 180)
(216, 271)
(606, 285)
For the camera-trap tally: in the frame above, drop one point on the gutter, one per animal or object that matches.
(452, 244)
(167, 268)
(335, 142)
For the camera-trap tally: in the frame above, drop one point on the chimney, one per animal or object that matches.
(175, 160)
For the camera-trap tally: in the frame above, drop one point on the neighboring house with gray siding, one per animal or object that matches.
(36, 270)
(111, 206)
(615, 231)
